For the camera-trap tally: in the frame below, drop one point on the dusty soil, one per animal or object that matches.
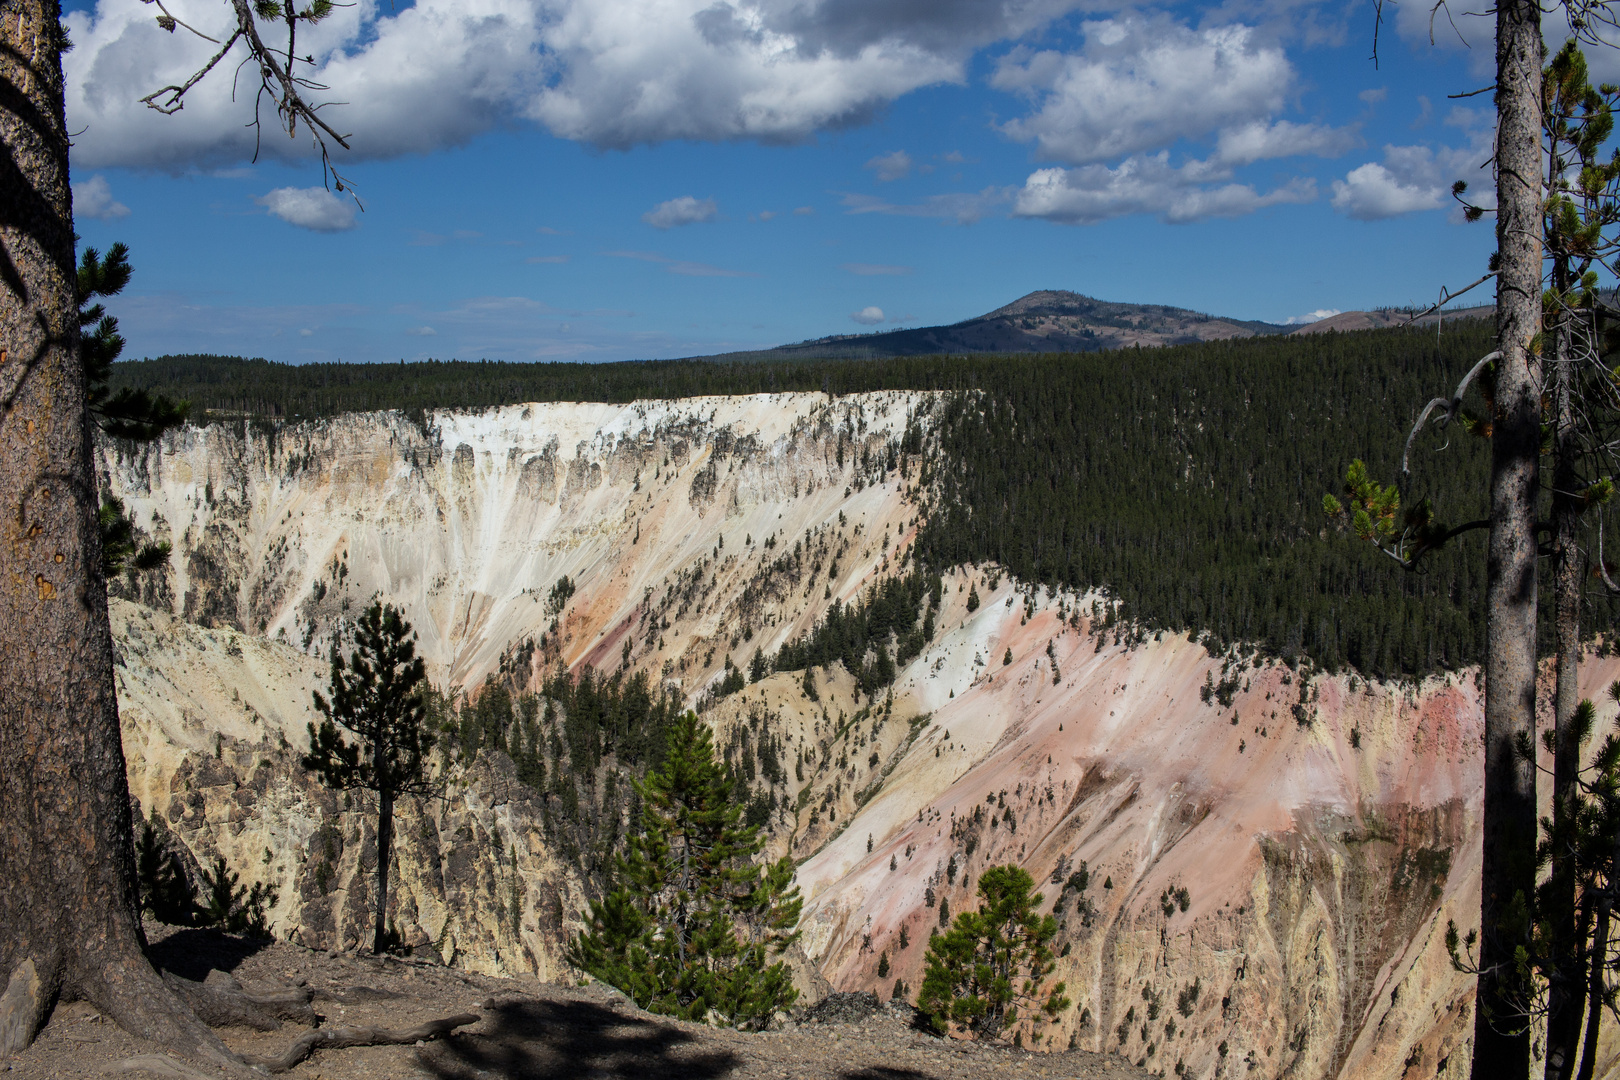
(529, 1030)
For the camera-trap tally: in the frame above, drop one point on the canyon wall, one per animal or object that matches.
(1252, 865)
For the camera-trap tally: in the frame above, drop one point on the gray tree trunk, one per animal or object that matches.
(1566, 991)
(69, 925)
(1501, 1036)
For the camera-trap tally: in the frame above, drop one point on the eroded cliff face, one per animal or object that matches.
(1270, 856)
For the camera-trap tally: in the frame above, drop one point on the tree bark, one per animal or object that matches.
(1507, 879)
(385, 847)
(1566, 988)
(69, 925)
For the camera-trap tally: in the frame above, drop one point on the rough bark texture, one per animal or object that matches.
(68, 919)
(1566, 984)
(1501, 1037)
(385, 851)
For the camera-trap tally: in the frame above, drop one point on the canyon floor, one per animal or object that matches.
(527, 1029)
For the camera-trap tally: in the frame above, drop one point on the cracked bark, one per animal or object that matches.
(1501, 1036)
(69, 926)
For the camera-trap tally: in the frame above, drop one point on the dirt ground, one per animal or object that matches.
(528, 1030)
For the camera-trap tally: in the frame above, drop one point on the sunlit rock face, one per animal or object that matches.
(1271, 855)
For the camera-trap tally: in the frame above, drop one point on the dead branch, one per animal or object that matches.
(284, 86)
(1452, 407)
(1446, 297)
(177, 94)
(360, 1035)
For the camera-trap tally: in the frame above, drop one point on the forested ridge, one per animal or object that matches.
(1185, 481)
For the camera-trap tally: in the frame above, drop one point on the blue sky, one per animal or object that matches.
(622, 179)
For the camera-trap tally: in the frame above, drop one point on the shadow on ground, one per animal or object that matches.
(193, 953)
(564, 1040)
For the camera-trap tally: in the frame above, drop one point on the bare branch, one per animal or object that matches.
(1452, 407)
(173, 22)
(1446, 297)
(177, 94)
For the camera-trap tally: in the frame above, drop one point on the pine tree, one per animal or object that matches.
(379, 697)
(991, 960)
(692, 926)
(130, 413)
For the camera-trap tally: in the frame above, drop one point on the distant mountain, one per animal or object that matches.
(1050, 320)
(1054, 320)
(1380, 318)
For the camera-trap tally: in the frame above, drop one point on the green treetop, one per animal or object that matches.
(694, 922)
(993, 961)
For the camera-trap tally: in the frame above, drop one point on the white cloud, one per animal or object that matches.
(546, 259)
(1145, 184)
(877, 270)
(964, 208)
(803, 211)
(685, 210)
(1311, 316)
(1372, 97)
(1260, 141)
(422, 331)
(895, 166)
(313, 208)
(436, 73)
(1416, 178)
(306, 332)
(1370, 192)
(868, 316)
(1141, 85)
(93, 199)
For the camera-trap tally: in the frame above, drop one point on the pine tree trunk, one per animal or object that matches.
(69, 925)
(1566, 983)
(1501, 1037)
(385, 848)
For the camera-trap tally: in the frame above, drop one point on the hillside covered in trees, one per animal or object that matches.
(1186, 481)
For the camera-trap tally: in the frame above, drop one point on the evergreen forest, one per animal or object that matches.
(1186, 481)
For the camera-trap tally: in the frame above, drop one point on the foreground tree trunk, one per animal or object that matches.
(69, 926)
(1566, 990)
(1501, 1035)
(385, 851)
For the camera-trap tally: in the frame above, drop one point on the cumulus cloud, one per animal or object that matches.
(438, 72)
(868, 316)
(685, 210)
(313, 208)
(1146, 184)
(803, 211)
(546, 259)
(876, 270)
(1141, 85)
(1416, 178)
(1260, 141)
(1371, 191)
(421, 331)
(895, 166)
(94, 199)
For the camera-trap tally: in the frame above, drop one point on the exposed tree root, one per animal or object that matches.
(360, 1035)
(221, 1001)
